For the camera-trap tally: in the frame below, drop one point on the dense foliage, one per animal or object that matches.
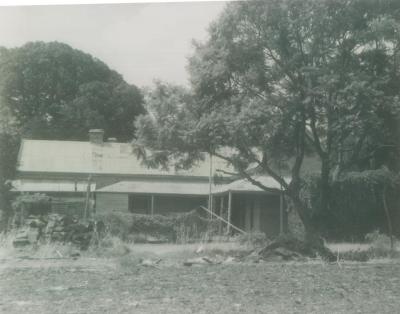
(56, 92)
(356, 204)
(277, 80)
(172, 228)
(52, 91)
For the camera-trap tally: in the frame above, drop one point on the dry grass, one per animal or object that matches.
(98, 285)
(346, 247)
(112, 279)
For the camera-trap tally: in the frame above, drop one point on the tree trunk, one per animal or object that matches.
(325, 187)
(310, 232)
(388, 219)
(312, 239)
(5, 209)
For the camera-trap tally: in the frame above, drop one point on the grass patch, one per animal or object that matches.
(377, 246)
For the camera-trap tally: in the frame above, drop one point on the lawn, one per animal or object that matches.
(123, 285)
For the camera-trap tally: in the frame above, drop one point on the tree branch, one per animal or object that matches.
(247, 176)
(227, 172)
(316, 140)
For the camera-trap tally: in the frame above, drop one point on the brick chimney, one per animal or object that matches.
(96, 136)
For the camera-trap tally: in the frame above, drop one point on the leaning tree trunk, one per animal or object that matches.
(312, 238)
(310, 232)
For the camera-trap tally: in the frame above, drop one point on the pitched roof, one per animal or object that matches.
(110, 158)
(86, 157)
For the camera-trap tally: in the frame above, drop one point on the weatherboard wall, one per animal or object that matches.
(111, 202)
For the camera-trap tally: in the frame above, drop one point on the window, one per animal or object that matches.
(139, 204)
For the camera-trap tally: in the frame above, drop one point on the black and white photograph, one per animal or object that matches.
(200, 157)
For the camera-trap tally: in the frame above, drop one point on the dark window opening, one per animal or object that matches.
(139, 204)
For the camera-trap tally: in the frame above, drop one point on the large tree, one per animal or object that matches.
(57, 92)
(279, 79)
(9, 144)
(52, 91)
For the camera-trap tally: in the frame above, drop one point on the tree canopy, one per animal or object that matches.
(56, 92)
(52, 91)
(277, 80)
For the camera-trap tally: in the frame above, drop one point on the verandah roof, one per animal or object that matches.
(144, 187)
(187, 188)
(50, 186)
(156, 187)
(243, 185)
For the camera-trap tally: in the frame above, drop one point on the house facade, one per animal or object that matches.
(118, 181)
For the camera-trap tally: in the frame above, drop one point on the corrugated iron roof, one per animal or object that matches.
(86, 157)
(244, 185)
(157, 187)
(187, 188)
(50, 186)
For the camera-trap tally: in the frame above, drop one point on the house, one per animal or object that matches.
(66, 170)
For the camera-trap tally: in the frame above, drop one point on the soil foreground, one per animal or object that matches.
(127, 285)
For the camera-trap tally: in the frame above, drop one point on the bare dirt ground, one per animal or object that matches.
(124, 285)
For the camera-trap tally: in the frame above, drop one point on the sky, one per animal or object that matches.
(141, 41)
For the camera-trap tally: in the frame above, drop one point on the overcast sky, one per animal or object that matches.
(141, 41)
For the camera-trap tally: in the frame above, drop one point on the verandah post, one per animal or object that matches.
(210, 196)
(152, 205)
(229, 211)
(281, 213)
(221, 213)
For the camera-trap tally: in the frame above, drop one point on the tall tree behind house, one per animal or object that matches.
(52, 91)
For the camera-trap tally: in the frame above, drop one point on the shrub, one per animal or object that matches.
(378, 240)
(380, 245)
(111, 245)
(157, 226)
(379, 248)
(181, 228)
(192, 226)
(117, 224)
(355, 255)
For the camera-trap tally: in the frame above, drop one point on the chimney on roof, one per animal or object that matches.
(96, 136)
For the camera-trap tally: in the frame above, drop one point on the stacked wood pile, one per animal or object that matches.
(54, 228)
(30, 232)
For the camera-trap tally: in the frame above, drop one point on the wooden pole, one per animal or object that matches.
(221, 213)
(152, 204)
(210, 198)
(229, 211)
(87, 203)
(21, 220)
(228, 223)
